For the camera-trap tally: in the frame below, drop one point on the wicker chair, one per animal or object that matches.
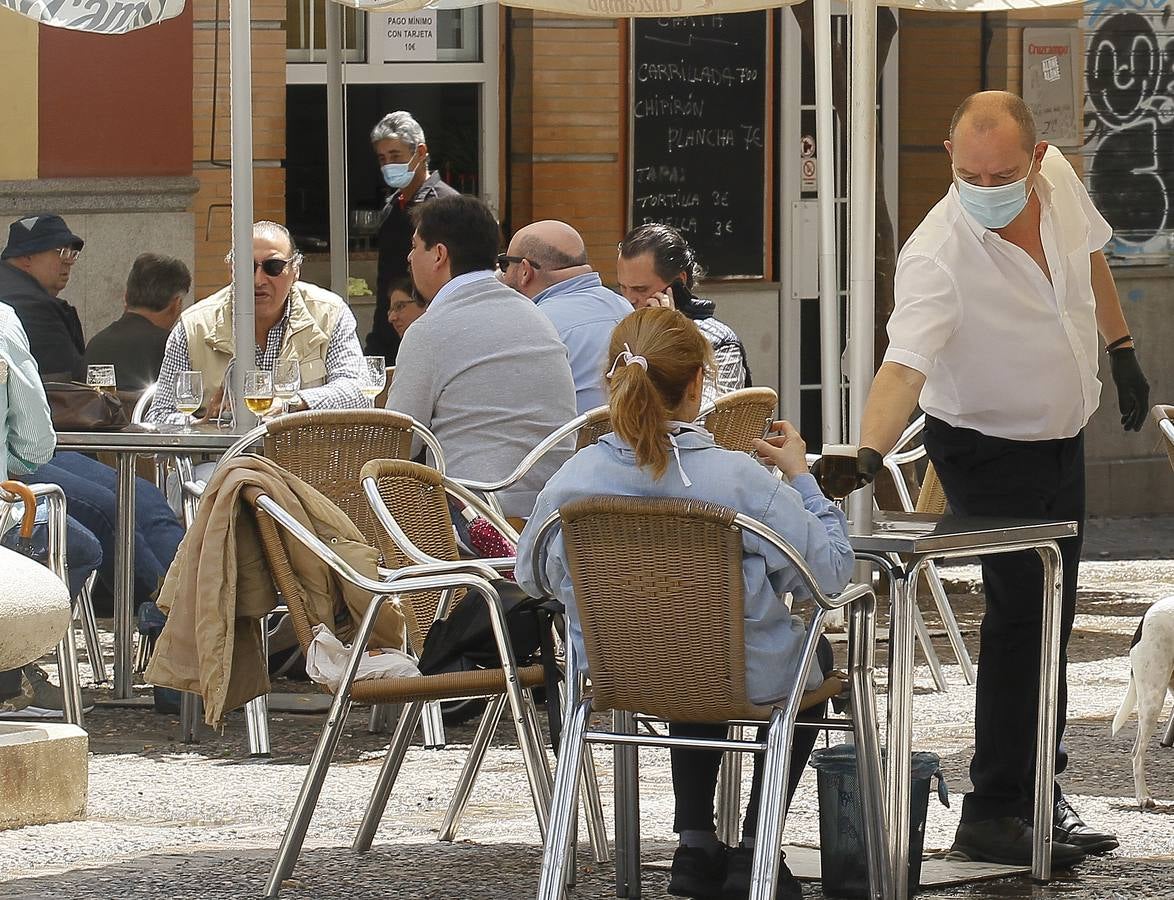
(629, 558)
(327, 449)
(505, 684)
(738, 418)
(420, 532)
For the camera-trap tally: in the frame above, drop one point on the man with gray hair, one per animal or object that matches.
(399, 145)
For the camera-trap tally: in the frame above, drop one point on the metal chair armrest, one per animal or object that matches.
(531, 459)
(746, 523)
(421, 578)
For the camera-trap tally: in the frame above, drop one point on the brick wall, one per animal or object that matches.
(568, 120)
(940, 65)
(211, 138)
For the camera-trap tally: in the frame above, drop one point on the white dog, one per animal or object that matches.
(1151, 658)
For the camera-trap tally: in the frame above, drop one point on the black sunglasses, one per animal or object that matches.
(273, 266)
(503, 261)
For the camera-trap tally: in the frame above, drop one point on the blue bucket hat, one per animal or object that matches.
(35, 234)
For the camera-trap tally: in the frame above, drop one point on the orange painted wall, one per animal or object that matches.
(116, 104)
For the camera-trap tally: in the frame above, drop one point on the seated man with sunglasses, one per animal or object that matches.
(292, 319)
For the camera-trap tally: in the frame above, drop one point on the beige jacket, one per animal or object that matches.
(313, 315)
(219, 587)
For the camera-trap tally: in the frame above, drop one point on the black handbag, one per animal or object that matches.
(79, 407)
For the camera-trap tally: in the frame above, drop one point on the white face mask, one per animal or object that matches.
(993, 207)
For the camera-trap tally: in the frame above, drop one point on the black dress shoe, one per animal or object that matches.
(1007, 841)
(698, 873)
(740, 864)
(1067, 826)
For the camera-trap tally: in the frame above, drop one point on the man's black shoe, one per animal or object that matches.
(1007, 841)
(740, 864)
(1067, 826)
(697, 873)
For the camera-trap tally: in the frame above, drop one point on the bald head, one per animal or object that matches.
(989, 111)
(553, 251)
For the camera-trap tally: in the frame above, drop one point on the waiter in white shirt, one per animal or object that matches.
(1000, 293)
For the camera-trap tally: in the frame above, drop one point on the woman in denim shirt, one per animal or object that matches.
(660, 362)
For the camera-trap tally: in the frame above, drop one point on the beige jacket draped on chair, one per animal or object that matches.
(219, 587)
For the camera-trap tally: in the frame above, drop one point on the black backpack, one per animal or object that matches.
(463, 641)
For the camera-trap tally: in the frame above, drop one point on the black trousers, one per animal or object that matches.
(987, 476)
(695, 771)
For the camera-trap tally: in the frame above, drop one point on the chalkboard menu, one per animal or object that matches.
(699, 135)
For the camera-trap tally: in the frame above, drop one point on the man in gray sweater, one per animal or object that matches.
(484, 369)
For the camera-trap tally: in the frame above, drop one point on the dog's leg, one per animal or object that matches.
(1150, 678)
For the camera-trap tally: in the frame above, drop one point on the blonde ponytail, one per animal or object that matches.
(654, 356)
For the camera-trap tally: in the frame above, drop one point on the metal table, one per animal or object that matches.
(175, 440)
(919, 538)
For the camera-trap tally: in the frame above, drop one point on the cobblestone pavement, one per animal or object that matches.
(170, 821)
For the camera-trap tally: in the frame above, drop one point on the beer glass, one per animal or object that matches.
(837, 470)
(258, 391)
(189, 392)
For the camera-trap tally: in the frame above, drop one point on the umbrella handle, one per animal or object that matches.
(18, 490)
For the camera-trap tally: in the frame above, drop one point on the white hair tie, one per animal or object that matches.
(627, 358)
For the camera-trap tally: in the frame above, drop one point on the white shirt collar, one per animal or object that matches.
(459, 282)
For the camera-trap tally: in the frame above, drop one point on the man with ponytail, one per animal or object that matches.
(659, 361)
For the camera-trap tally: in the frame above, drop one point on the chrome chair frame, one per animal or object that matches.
(466, 574)
(555, 859)
(67, 665)
(903, 454)
(490, 489)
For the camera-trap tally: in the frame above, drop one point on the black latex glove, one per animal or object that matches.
(1133, 391)
(868, 463)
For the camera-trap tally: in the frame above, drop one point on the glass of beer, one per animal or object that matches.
(837, 470)
(101, 378)
(189, 392)
(258, 391)
(374, 376)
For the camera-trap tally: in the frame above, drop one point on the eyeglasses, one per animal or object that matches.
(273, 266)
(69, 254)
(402, 305)
(504, 262)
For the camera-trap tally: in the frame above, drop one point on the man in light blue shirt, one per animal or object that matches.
(547, 261)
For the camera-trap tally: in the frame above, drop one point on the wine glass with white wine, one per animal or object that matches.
(374, 377)
(258, 391)
(101, 378)
(189, 393)
(287, 381)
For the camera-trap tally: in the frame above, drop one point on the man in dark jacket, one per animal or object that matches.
(134, 344)
(34, 269)
(398, 142)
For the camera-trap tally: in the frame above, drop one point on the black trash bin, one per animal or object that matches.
(842, 854)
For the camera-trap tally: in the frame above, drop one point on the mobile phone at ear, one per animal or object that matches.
(681, 295)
